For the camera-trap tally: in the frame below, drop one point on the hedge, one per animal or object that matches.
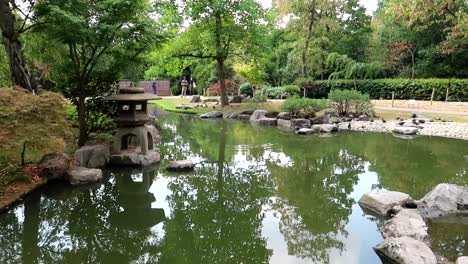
(420, 89)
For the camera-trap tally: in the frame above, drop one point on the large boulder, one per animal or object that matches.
(404, 130)
(180, 165)
(383, 202)
(247, 112)
(283, 123)
(231, 115)
(243, 117)
(266, 121)
(323, 119)
(408, 222)
(213, 114)
(462, 260)
(300, 123)
(54, 165)
(82, 175)
(258, 114)
(325, 128)
(445, 199)
(285, 116)
(236, 100)
(196, 99)
(405, 250)
(95, 156)
(259, 117)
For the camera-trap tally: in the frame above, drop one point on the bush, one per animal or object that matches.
(347, 101)
(420, 89)
(246, 88)
(274, 92)
(296, 105)
(292, 89)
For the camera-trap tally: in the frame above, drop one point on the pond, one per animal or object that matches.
(257, 195)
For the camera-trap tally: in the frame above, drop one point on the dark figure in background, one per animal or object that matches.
(154, 85)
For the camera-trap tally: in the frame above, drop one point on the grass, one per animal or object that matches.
(169, 104)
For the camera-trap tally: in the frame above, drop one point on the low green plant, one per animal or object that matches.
(350, 101)
(296, 105)
(292, 89)
(246, 88)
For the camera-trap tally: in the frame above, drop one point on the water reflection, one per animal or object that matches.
(256, 196)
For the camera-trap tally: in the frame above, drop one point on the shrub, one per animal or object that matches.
(246, 88)
(258, 98)
(420, 89)
(296, 105)
(347, 101)
(274, 92)
(292, 89)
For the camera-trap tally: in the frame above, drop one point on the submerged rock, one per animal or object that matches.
(405, 130)
(405, 250)
(306, 131)
(445, 199)
(54, 165)
(180, 165)
(409, 223)
(213, 114)
(325, 128)
(383, 202)
(96, 156)
(82, 175)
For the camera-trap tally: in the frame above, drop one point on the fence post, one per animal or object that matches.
(393, 98)
(432, 95)
(446, 95)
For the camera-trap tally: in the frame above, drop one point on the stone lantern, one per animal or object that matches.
(133, 142)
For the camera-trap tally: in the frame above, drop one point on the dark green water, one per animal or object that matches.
(256, 196)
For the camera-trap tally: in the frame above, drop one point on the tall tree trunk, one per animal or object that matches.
(220, 57)
(10, 35)
(82, 120)
(310, 29)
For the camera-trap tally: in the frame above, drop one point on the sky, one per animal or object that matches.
(370, 5)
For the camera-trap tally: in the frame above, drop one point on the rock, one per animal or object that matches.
(405, 250)
(408, 222)
(414, 116)
(185, 107)
(266, 121)
(180, 165)
(131, 158)
(445, 199)
(82, 175)
(382, 202)
(363, 118)
(272, 114)
(334, 120)
(247, 112)
(243, 117)
(54, 165)
(96, 156)
(213, 114)
(236, 100)
(325, 128)
(284, 116)
(231, 115)
(324, 119)
(462, 260)
(307, 131)
(283, 123)
(405, 130)
(300, 123)
(257, 114)
(196, 99)
(462, 200)
(332, 113)
(211, 101)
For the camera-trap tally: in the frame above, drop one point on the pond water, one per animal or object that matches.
(257, 195)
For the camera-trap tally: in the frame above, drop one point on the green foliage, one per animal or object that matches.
(296, 105)
(246, 88)
(420, 89)
(274, 92)
(292, 89)
(350, 101)
(5, 80)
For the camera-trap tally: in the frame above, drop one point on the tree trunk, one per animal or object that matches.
(308, 39)
(82, 120)
(10, 35)
(220, 57)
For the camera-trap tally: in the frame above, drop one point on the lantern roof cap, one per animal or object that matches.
(132, 94)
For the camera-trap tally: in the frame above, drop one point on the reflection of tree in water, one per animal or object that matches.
(216, 214)
(449, 239)
(316, 202)
(85, 226)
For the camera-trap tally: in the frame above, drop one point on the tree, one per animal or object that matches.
(11, 30)
(216, 27)
(99, 41)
